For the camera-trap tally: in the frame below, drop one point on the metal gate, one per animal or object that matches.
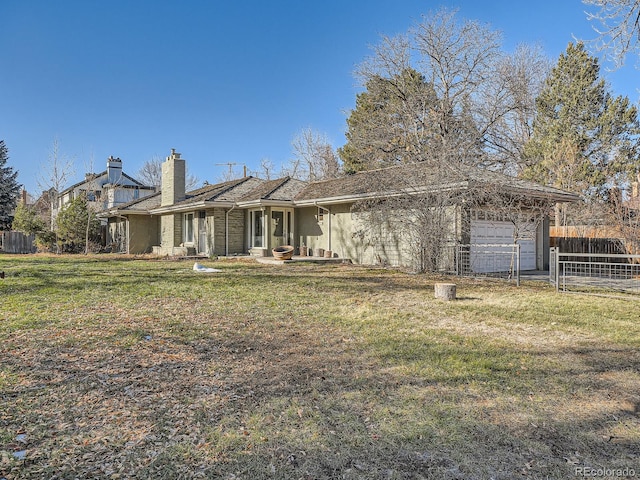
(496, 260)
(588, 272)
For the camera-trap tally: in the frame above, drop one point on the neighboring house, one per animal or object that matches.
(104, 190)
(251, 215)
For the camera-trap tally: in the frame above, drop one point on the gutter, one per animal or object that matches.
(190, 207)
(367, 196)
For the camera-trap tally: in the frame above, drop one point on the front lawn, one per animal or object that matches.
(112, 367)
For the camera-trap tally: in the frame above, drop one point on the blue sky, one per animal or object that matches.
(218, 81)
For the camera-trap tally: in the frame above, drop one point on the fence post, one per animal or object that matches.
(555, 257)
(518, 247)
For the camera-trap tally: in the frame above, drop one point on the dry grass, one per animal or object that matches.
(125, 368)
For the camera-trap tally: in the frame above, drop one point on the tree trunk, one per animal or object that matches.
(445, 291)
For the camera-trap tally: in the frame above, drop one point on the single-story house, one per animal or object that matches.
(252, 216)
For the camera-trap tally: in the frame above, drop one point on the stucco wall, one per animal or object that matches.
(354, 237)
(143, 233)
(309, 231)
(344, 226)
(135, 235)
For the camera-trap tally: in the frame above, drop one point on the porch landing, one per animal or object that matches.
(299, 259)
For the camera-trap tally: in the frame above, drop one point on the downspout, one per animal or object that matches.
(328, 224)
(226, 230)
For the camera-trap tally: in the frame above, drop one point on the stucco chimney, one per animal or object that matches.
(114, 170)
(173, 179)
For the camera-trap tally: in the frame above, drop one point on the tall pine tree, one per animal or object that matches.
(584, 140)
(9, 189)
(390, 123)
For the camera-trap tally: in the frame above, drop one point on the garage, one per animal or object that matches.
(492, 247)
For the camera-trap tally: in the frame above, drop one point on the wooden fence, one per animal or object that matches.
(604, 246)
(17, 242)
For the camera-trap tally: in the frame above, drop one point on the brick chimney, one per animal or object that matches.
(173, 179)
(114, 170)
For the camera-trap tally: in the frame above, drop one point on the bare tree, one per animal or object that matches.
(54, 176)
(293, 168)
(618, 27)
(314, 155)
(265, 170)
(91, 198)
(622, 212)
(150, 174)
(519, 80)
(417, 219)
(449, 92)
(445, 100)
(459, 60)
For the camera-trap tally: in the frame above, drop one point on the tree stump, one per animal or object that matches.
(445, 291)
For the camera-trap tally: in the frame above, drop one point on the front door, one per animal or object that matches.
(281, 222)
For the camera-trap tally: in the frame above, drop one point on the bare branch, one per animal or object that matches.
(314, 156)
(618, 28)
(150, 174)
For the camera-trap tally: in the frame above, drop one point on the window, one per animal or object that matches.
(277, 217)
(257, 228)
(188, 228)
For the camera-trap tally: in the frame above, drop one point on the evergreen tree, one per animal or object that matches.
(584, 140)
(9, 189)
(27, 220)
(390, 124)
(72, 223)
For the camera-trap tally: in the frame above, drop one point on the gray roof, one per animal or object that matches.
(409, 178)
(417, 177)
(96, 176)
(230, 191)
(281, 190)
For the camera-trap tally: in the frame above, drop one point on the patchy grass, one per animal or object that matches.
(119, 368)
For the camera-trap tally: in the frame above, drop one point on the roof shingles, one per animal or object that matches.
(388, 181)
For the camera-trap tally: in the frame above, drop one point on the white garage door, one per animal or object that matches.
(486, 254)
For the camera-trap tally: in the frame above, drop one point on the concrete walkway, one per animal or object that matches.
(299, 259)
